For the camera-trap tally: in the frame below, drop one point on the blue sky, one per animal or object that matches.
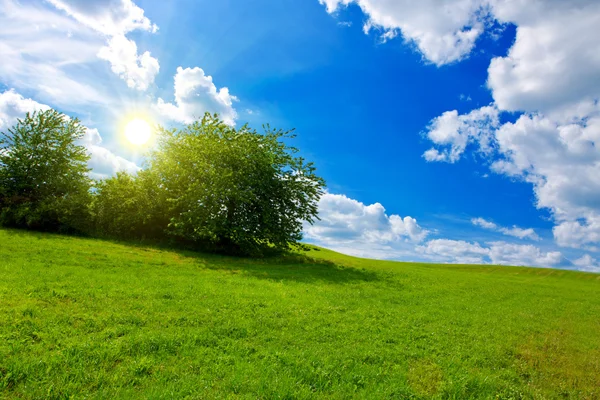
(450, 131)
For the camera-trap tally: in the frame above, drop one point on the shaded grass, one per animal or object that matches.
(86, 318)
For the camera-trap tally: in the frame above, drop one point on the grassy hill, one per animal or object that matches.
(84, 318)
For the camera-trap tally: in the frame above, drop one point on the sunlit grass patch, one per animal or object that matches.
(87, 318)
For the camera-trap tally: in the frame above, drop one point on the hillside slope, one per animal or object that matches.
(95, 319)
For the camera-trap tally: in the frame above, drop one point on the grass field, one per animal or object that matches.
(83, 318)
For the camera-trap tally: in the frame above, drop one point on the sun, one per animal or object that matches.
(138, 132)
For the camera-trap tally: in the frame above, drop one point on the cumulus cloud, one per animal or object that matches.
(578, 234)
(562, 163)
(560, 160)
(502, 253)
(454, 251)
(552, 75)
(346, 218)
(114, 19)
(517, 254)
(352, 227)
(515, 231)
(102, 161)
(452, 133)
(14, 106)
(138, 71)
(587, 263)
(553, 65)
(196, 94)
(443, 31)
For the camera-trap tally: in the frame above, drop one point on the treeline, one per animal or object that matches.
(207, 184)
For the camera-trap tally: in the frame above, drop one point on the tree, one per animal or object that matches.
(43, 173)
(130, 207)
(239, 190)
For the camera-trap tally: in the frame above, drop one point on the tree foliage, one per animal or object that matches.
(130, 207)
(206, 184)
(238, 189)
(43, 173)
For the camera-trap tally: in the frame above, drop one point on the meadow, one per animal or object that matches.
(93, 319)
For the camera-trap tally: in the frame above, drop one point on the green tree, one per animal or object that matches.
(237, 189)
(130, 207)
(43, 173)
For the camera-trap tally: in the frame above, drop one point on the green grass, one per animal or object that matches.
(82, 318)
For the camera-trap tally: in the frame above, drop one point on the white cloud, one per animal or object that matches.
(453, 132)
(502, 253)
(587, 263)
(92, 137)
(553, 37)
(14, 106)
(103, 162)
(515, 231)
(455, 251)
(196, 94)
(109, 17)
(517, 254)
(346, 218)
(350, 226)
(357, 229)
(552, 74)
(138, 71)
(115, 18)
(521, 233)
(484, 223)
(561, 161)
(48, 54)
(578, 234)
(444, 31)
(553, 65)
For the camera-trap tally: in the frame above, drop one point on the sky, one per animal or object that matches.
(459, 131)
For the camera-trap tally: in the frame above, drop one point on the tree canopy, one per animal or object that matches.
(44, 180)
(207, 184)
(236, 188)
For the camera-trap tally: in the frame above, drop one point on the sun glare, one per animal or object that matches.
(138, 132)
